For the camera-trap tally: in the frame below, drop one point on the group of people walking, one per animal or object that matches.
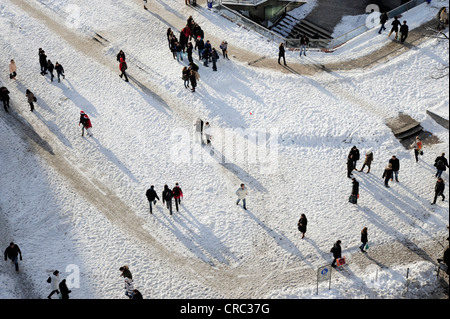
(167, 196)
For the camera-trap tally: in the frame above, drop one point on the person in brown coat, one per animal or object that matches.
(31, 99)
(367, 161)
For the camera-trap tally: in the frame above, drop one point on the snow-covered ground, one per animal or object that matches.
(78, 204)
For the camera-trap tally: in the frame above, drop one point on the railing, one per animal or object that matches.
(238, 18)
(295, 43)
(243, 2)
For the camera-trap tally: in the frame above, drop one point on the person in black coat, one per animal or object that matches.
(59, 71)
(214, 58)
(4, 96)
(126, 273)
(441, 164)
(395, 25)
(151, 196)
(43, 61)
(64, 290)
(355, 190)
(439, 190)
(281, 53)
(13, 252)
(383, 20)
(404, 32)
(302, 223)
(395, 167)
(137, 295)
(167, 196)
(364, 239)
(50, 68)
(350, 166)
(337, 252)
(354, 152)
(387, 175)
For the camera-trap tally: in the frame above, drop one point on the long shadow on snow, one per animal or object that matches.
(196, 242)
(110, 155)
(78, 99)
(393, 201)
(51, 126)
(280, 239)
(376, 220)
(145, 92)
(26, 131)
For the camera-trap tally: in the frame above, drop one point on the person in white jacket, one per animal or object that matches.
(242, 193)
(55, 284)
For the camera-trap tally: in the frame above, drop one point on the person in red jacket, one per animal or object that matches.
(122, 67)
(86, 124)
(177, 194)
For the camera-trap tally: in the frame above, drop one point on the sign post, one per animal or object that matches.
(323, 274)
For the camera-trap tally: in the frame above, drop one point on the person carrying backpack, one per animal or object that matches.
(177, 194)
(167, 196)
(123, 67)
(441, 164)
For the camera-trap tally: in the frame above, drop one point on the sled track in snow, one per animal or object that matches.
(241, 282)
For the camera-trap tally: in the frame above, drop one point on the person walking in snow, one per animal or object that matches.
(364, 239)
(242, 194)
(193, 78)
(441, 164)
(178, 51)
(206, 53)
(395, 167)
(169, 36)
(123, 67)
(50, 68)
(224, 48)
(302, 223)
(355, 191)
(167, 196)
(177, 194)
(355, 155)
(214, 58)
(54, 281)
(85, 122)
(367, 161)
(395, 26)
(439, 190)
(59, 71)
(387, 174)
(281, 53)
(43, 61)
(383, 20)
(121, 54)
(125, 272)
(31, 99)
(337, 252)
(151, 196)
(129, 288)
(13, 252)
(12, 70)
(304, 41)
(4, 96)
(417, 145)
(403, 32)
(185, 76)
(64, 290)
(208, 131)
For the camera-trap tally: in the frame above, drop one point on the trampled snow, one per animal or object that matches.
(77, 204)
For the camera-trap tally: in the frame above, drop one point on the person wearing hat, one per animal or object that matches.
(13, 252)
